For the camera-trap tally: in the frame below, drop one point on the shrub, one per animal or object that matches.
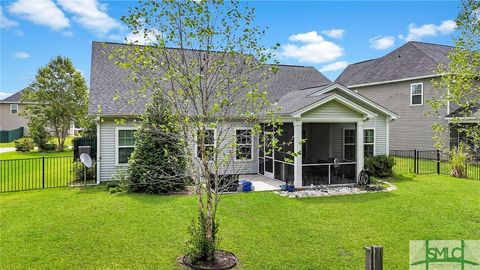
(199, 247)
(460, 157)
(39, 135)
(380, 166)
(24, 145)
(78, 171)
(157, 164)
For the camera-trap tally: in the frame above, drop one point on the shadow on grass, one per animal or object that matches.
(350, 198)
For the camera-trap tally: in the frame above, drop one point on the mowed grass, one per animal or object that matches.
(88, 228)
(24, 171)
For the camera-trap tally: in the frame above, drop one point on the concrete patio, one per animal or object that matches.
(261, 183)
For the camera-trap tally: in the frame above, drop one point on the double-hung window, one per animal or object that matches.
(416, 94)
(208, 143)
(125, 144)
(13, 108)
(369, 142)
(243, 144)
(349, 145)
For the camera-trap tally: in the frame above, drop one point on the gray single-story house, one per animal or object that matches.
(340, 126)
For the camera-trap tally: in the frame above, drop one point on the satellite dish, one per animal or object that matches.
(86, 160)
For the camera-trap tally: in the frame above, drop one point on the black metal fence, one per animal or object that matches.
(43, 172)
(430, 162)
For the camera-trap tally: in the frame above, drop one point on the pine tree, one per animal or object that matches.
(157, 164)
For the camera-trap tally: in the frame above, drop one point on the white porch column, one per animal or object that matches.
(360, 155)
(297, 148)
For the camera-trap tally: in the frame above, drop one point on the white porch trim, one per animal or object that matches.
(347, 103)
(297, 148)
(360, 154)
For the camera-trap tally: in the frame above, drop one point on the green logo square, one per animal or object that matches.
(444, 254)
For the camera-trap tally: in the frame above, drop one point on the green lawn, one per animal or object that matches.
(23, 171)
(88, 228)
(68, 141)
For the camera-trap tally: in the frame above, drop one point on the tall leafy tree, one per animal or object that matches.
(207, 61)
(461, 77)
(60, 93)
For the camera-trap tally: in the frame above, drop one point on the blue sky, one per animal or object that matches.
(326, 35)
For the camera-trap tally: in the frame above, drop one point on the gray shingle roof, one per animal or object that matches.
(108, 81)
(413, 59)
(473, 111)
(15, 97)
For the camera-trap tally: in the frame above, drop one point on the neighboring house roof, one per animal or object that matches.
(462, 113)
(411, 60)
(297, 102)
(15, 98)
(108, 82)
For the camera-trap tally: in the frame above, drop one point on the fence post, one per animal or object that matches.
(438, 161)
(415, 163)
(374, 258)
(43, 172)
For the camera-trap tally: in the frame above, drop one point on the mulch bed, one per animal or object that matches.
(222, 260)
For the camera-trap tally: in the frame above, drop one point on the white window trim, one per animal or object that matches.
(374, 140)
(117, 129)
(214, 140)
(411, 94)
(11, 106)
(343, 141)
(251, 143)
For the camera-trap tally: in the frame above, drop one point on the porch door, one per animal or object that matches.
(268, 151)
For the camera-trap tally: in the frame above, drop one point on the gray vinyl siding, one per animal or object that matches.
(332, 110)
(108, 169)
(413, 128)
(107, 151)
(379, 125)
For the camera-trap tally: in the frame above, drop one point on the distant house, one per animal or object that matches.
(340, 126)
(10, 118)
(402, 82)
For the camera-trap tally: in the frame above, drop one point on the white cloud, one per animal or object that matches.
(334, 66)
(311, 48)
(91, 15)
(417, 33)
(5, 22)
(42, 12)
(21, 55)
(334, 33)
(4, 95)
(141, 38)
(382, 42)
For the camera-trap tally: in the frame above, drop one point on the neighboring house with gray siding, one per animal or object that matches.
(10, 109)
(402, 82)
(340, 126)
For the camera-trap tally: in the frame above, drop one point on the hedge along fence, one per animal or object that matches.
(7, 136)
(430, 162)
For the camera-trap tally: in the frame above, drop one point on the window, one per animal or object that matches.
(416, 94)
(208, 142)
(125, 145)
(349, 139)
(368, 142)
(13, 108)
(244, 144)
